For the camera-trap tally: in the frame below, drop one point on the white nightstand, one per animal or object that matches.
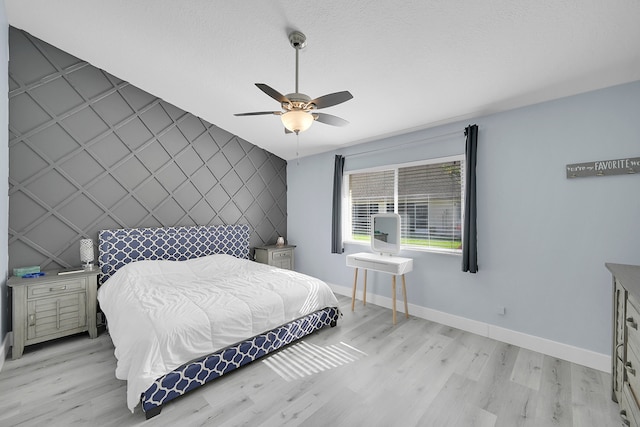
(53, 306)
(278, 256)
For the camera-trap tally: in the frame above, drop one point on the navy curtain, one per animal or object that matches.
(470, 236)
(336, 222)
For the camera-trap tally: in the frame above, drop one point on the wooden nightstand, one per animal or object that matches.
(53, 306)
(278, 256)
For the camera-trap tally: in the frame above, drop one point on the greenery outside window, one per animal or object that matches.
(428, 196)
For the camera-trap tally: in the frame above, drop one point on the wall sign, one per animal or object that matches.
(604, 168)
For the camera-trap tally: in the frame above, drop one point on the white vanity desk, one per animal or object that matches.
(385, 264)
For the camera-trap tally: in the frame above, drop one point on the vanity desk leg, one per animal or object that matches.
(353, 294)
(364, 293)
(404, 295)
(393, 296)
(355, 284)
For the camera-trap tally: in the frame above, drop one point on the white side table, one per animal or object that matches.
(385, 264)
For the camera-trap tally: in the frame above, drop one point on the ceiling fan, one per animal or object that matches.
(299, 111)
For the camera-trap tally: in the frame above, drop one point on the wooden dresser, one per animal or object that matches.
(625, 354)
(278, 256)
(52, 306)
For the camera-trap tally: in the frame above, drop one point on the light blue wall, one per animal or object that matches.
(4, 172)
(543, 239)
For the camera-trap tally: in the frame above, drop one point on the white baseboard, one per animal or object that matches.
(581, 356)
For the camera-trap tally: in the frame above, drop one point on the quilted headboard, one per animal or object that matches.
(119, 247)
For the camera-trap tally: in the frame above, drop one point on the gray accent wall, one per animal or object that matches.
(4, 188)
(88, 151)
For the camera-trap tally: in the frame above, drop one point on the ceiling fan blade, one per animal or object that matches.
(331, 99)
(272, 93)
(259, 113)
(328, 119)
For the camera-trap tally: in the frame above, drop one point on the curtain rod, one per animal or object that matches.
(376, 150)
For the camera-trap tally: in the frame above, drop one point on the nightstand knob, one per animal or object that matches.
(32, 320)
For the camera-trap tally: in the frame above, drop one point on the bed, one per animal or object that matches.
(185, 305)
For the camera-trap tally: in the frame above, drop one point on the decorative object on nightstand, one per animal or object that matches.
(280, 242)
(278, 256)
(22, 271)
(53, 306)
(86, 253)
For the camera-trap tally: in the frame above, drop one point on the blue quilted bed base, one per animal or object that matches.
(199, 372)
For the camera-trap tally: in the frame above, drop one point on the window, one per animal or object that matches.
(427, 195)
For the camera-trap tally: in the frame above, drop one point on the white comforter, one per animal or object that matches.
(162, 314)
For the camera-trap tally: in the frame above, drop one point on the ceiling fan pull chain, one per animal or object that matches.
(297, 149)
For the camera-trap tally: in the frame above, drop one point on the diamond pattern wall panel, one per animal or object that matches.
(88, 151)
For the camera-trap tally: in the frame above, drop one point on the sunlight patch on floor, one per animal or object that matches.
(302, 359)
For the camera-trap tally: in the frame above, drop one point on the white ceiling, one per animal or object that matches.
(410, 64)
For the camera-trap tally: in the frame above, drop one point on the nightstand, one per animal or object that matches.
(278, 256)
(53, 306)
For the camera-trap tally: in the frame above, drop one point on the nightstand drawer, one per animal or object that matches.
(281, 255)
(56, 288)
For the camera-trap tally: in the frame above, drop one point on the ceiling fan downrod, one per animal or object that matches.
(298, 41)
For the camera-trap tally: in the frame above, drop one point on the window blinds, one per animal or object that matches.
(427, 197)
(370, 193)
(429, 204)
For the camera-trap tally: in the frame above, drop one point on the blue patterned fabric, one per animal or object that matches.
(198, 373)
(122, 246)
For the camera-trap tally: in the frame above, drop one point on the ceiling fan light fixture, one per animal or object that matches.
(299, 110)
(297, 120)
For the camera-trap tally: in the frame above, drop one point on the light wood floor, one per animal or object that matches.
(417, 373)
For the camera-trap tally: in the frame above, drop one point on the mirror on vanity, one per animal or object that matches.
(385, 233)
